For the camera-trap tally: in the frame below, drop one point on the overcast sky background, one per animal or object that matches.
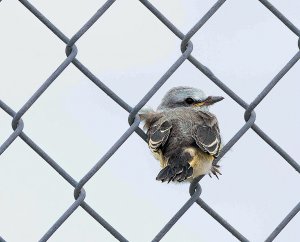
(76, 123)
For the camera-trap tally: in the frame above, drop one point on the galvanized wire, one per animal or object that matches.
(133, 119)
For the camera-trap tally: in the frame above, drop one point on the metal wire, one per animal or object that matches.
(133, 119)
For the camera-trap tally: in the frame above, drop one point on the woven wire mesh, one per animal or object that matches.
(134, 121)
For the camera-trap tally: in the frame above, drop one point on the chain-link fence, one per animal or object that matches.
(186, 48)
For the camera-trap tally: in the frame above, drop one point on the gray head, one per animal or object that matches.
(187, 97)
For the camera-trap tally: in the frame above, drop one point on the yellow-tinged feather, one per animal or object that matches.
(158, 155)
(201, 161)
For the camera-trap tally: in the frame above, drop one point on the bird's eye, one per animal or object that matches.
(189, 100)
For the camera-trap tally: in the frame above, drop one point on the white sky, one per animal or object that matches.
(76, 123)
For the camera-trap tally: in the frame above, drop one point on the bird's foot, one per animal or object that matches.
(215, 170)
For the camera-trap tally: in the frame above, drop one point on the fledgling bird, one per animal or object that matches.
(183, 135)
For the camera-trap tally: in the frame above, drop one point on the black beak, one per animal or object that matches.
(211, 100)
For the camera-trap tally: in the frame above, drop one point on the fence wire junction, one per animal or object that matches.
(133, 119)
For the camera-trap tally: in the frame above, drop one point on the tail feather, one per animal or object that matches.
(178, 167)
(163, 174)
(176, 173)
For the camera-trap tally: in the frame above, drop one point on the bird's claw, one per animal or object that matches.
(215, 170)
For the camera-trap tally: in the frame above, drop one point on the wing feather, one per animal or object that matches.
(207, 135)
(158, 135)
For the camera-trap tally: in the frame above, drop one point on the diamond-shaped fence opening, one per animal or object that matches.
(134, 121)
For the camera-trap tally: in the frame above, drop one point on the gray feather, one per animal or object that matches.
(178, 125)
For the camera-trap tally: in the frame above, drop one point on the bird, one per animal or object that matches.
(183, 135)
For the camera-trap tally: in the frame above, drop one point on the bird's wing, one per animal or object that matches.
(206, 133)
(158, 134)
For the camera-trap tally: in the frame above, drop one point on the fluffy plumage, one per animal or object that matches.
(183, 135)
